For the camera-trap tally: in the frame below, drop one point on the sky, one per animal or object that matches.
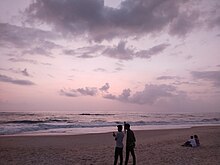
(110, 55)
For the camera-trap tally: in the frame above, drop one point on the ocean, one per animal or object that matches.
(22, 123)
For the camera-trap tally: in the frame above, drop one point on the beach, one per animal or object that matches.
(152, 147)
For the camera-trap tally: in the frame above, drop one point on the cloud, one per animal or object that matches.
(85, 52)
(7, 79)
(152, 51)
(97, 22)
(23, 37)
(213, 76)
(105, 87)
(25, 72)
(124, 96)
(27, 61)
(87, 91)
(91, 91)
(100, 70)
(149, 95)
(213, 18)
(23, 60)
(122, 52)
(182, 24)
(68, 93)
(168, 77)
(110, 96)
(152, 93)
(119, 51)
(38, 51)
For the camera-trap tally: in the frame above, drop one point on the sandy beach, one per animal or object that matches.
(153, 147)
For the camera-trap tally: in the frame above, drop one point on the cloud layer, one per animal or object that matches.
(97, 21)
(149, 95)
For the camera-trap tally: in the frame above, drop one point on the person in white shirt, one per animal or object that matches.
(190, 143)
(119, 136)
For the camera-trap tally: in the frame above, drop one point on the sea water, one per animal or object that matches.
(23, 123)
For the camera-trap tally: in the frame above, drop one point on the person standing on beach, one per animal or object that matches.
(119, 136)
(130, 144)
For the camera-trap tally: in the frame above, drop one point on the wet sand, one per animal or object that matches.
(154, 147)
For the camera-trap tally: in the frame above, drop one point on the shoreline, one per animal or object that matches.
(103, 130)
(152, 147)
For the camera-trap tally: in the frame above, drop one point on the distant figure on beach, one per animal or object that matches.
(197, 140)
(190, 143)
(130, 144)
(119, 136)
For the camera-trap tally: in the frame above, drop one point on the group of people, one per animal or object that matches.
(130, 144)
(192, 142)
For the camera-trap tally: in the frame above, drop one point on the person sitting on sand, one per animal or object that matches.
(119, 136)
(197, 140)
(130, 144)
(190, 143)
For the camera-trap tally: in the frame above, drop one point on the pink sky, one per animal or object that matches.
(88, 56)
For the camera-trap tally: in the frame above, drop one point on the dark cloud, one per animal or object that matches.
(119, 51)
(85, 52)
(97, 22)
(152, 51)
(122, 52)
(213, 76)
(105, 87)
(7, 79)
(182, 24)
(23, 37)
(213, 19)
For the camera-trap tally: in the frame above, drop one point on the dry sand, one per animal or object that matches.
(155, 147)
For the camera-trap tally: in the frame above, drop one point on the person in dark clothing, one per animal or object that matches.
(197, 140)
(119, 136)
(130, 144)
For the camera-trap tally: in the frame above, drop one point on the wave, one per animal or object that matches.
(16, 123)
(33, 121)
(95, 114)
